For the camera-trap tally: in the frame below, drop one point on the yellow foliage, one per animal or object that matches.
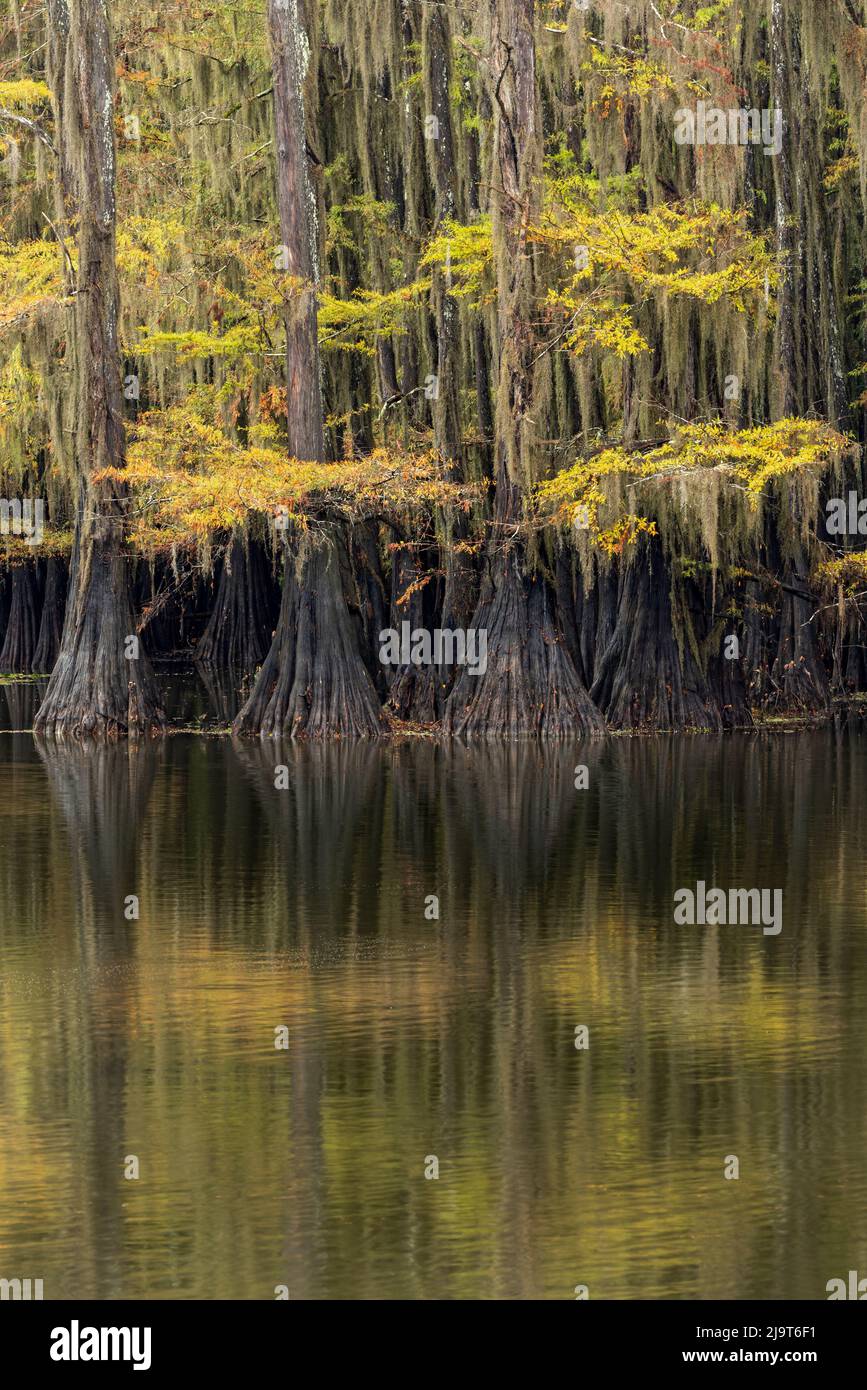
(844, 572)
(464, 252)
(188, 480)
(24, 94)
(19, 393)
(30, 275)
(705, 253)
(355, 324)
(148, 246)
(749, 459)
(18, 550)
(614, 78)
(241, 341)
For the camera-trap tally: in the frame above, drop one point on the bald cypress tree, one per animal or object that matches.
(102, 684)
(313, 682)
(531, 685)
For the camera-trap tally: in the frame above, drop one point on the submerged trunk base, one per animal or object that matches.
(530, 688)
(242, 620)
(646, 680)
(22, 630)
(102, 686)
(51, 624)
(313, 683)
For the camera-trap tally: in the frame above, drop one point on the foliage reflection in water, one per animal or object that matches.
(410, 1037)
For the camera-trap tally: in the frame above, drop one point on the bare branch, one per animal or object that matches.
(28, 125)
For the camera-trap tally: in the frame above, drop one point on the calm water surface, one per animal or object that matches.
(305, 909)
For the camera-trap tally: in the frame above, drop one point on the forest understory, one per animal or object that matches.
(476, 370)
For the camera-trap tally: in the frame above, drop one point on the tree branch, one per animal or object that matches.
(28, 125)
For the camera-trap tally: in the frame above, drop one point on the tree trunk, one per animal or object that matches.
(788, 341)
(372, 600)
(313, 682)
(412, 694)
(461, 588)
(530, 685)
(22, 628)
(241, 624)
(644, 681)
(799, 681)
(102, 684)
(53, 609)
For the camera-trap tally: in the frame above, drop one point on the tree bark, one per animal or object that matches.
(313, 682)
(530, 686)
(102, 685)
(241, 623)
(799, 681)
(461, 588)
(22, 628)
(643, 681)
(53, 609)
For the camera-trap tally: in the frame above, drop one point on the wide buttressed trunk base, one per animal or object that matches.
(728, 682)
(644, 682)
(369, 585)
(99, 689)
(22, 628)
(798, 679)
(313, 683)
(530, 687)
(242, 619)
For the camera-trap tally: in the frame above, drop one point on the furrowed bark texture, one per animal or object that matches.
(798, 681)
(241, 624)
(313, 682)
(530, 686)
(659, 670)
(22, 627)
(95, 690)
(51, 622)
(643, 681)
